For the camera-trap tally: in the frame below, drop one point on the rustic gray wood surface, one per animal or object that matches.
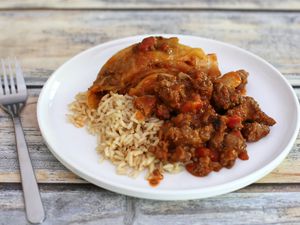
(44, 34)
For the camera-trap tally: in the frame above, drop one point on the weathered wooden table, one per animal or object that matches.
(43, 34)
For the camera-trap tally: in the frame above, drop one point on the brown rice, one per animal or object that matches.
(122, 138)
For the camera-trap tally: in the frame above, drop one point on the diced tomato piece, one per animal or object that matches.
(147, 44)
(191, 106)
(243, 156)
(202, 152)
(234, 121)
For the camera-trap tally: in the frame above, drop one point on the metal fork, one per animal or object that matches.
(13, 96)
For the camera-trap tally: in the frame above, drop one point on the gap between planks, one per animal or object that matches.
(153, 4)
(252, 188)
(159, 9)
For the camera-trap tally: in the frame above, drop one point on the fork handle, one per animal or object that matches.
(33, 203)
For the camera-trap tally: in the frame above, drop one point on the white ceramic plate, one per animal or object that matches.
(75, 148)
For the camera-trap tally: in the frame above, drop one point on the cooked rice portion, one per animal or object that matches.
(122, 138)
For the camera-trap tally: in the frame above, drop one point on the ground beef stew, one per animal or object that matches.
(207, 122)
(207, 117)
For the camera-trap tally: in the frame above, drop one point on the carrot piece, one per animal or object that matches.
(234, 121)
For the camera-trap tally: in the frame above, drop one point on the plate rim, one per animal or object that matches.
(193, 193)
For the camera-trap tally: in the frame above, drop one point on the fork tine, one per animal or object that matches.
(21, 86)
(6, 88)
(11, 76)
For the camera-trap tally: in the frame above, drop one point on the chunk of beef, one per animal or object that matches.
(216, 141)
(170, 92)
(183, 136)
(201, 168)
(228, 157)
(235, 140)
(183, 119)
(203, 85)
(234, 146)
(187, 129)
(181, 154)
(203, 152)
(225, 97)
(249, 110)
(229, 88)
(205, 132)
(160, 151)
(208, 115)
(229, 145)
(188, 119)
(162, 112)
(255, 131)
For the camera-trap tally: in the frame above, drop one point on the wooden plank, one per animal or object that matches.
(234, 208)
(44, 176)
(87, 204)
(44, 46)
(153, 4)
(63, 205)
(49, 170)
